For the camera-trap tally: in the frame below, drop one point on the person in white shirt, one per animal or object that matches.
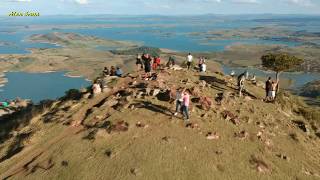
(189, 60)
(96, 89)
(203, 67)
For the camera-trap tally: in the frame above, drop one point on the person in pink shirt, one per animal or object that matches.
(185, 104)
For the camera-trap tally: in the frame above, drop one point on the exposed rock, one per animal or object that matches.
(176, 68)
(227, 115)
(302, 126)
(260, 165)
(139, 95)
(282, 156)
(119, 127)
(195, 91)
(155, 92)
(205, 103)
(148, 91)
(108, 153)
(140, 125)
(242, 135)
(202, 84)
(212, 136)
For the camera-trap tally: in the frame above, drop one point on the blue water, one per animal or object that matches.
(157, 31)
(39, 86)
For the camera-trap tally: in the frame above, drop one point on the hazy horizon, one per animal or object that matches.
(165, 7)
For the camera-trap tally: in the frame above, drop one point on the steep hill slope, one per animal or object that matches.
(128, 132)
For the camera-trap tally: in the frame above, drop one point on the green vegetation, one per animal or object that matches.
(139, 50)
(280, 62)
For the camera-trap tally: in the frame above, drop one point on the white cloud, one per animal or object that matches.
(82, 1)
(21, 0)
(246, 1)
(301, 2)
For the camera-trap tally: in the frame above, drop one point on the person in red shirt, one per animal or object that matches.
(156, 63)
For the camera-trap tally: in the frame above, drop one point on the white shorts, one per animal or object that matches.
(272, 94)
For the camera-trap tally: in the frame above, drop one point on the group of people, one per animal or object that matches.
(202, 66)
(114, 71)
(271, 87)
(100, 83)
(148, 63)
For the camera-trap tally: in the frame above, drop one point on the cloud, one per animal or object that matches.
(246, 1)
(81, 1)
(301, 2)
(21, 0)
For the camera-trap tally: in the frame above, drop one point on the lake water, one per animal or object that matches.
(39, 86)
(157, 31)
(162, 32)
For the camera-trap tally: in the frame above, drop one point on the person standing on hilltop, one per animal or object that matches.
(185, 104)
(179, 101)
(268, 87)
(171, 61)
(272, 92)
(139, 63)
(189, 60)
(155, 63)
(241, 79)
(158, 61)
(147, 64)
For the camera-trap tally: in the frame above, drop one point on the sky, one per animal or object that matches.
(162, 7)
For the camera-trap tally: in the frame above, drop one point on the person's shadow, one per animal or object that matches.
(153, 107)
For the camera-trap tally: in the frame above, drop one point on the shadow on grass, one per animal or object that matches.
(153, 107)
(214, 82)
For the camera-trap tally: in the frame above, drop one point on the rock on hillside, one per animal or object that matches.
(129, 132)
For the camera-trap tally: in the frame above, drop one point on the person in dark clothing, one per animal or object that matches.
(106, 72)
(112, 71)
(241, 79)
(268, 86)
(171, 62)
(147, 64)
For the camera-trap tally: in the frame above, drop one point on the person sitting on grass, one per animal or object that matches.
(112, 71)
(119, 72)
(96, 89)
(106, 72)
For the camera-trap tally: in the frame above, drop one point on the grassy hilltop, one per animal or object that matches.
(129, 133)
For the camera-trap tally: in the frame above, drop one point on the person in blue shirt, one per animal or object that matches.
(119, 72)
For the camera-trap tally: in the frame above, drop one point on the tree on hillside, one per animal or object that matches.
(280, 62)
